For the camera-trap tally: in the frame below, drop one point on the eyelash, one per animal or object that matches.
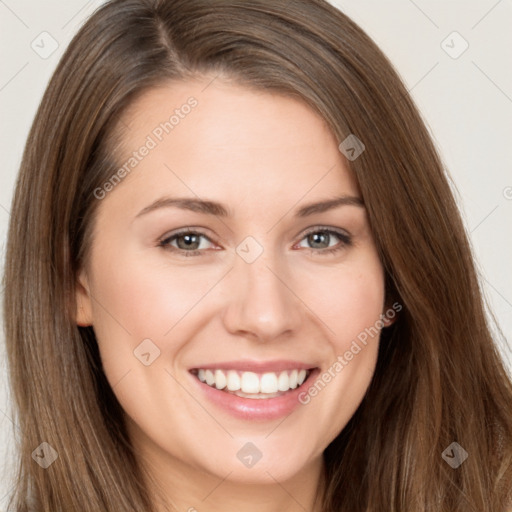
(344, 238)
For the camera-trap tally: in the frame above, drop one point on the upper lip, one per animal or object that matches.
(256, 366)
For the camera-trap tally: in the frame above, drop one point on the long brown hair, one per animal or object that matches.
(439, 377)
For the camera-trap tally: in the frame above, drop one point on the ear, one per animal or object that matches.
(387, 321)
(83, 314)
(390, 313)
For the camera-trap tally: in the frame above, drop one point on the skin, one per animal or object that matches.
(263, 156)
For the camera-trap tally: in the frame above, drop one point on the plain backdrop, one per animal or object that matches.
(454, 56)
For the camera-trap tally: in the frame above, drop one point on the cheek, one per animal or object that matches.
(351, 307)
(357, 325)
(135, 299)
(146, 296)
(351, 299)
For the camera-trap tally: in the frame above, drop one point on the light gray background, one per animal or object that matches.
(466, 102)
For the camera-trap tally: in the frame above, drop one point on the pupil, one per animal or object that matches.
(319, 238)
(189, 240)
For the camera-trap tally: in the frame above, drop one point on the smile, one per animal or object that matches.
(254, 390)
(249, 384)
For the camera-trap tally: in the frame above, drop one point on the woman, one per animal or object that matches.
(237, 279)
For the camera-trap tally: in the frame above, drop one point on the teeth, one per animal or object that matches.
(233, 380)
(283, 382)
(210, 378)
(268, 383)
(220, 379)
(242, 383)
(250, 383)
(293, 379)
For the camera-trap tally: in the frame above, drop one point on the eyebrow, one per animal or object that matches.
(214, 208)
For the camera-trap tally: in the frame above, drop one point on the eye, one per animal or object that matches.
(188, 243)
(321, 238)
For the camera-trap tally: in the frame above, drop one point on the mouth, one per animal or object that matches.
(255, 390)
(255, 385)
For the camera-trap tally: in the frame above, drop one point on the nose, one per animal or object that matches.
(262, 301)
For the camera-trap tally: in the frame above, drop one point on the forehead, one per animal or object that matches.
(214, 137)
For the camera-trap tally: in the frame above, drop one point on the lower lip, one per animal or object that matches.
(254, 408)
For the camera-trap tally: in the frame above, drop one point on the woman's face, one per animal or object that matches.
(209, 254)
